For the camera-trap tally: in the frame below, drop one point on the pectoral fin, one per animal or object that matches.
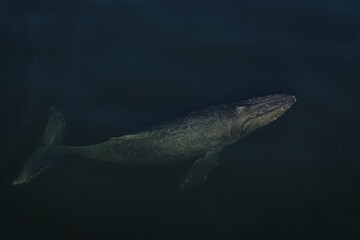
(200, 169)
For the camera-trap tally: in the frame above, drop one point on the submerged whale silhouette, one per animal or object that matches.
(201, 134)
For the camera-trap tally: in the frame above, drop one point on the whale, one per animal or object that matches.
(201, 135)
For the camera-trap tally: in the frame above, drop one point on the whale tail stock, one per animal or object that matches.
(37, 162)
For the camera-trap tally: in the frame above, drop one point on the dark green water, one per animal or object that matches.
(115, 67)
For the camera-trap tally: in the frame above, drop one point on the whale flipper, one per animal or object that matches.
(37, 162)
(200, 169)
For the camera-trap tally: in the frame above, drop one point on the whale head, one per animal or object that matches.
(254, 113)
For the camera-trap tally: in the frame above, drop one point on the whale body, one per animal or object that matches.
(201, 134)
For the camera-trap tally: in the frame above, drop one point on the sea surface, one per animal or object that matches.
(116, 67)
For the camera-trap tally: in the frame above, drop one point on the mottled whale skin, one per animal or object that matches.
(201, 134)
